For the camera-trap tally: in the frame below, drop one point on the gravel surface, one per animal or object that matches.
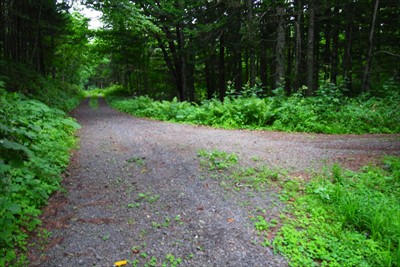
(135, 190)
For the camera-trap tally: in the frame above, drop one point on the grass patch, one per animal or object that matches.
(344, 219)
(216, 159)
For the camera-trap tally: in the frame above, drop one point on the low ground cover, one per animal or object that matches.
(35, 148)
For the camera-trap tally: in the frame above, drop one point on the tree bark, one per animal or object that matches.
(280, 48)
(335, 47)
(347, 59)
(310, 48)
(366, 83)
(237, 58)
(328, 42)
(299, 45)
(181, 66)
(289, 61)
(221, 67)
(251, 41)
(263, 52)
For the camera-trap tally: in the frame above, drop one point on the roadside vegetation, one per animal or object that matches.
(35, 146)
(329, 111)
(336, 218)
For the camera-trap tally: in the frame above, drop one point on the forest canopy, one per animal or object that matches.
(193, 49)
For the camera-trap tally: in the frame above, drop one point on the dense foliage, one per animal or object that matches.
(191, 49)
(344, 219)
(328, 112)
(34, 149)
(42, 38)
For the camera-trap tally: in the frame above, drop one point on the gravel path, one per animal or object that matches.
(135, 190)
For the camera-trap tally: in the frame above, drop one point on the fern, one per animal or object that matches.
(327, 112)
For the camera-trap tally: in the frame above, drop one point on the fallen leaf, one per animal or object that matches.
(121, 263)
(230, 220)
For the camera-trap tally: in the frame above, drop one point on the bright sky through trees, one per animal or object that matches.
(92, 14)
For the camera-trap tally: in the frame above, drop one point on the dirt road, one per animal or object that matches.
(135, 190)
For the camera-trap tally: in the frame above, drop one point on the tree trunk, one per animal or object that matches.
(288, 80)
(347, 59)
(237, 57)
(328, 41)
(251, 42)
(310, 48)
(335, 47)
(263, 52)
(181, 64)
(280, 48)
(299, 46)
(221, 67)
(366, 82)
(210, 77)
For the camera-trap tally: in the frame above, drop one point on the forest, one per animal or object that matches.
(296, 65)
(200, 46)
(194, 49)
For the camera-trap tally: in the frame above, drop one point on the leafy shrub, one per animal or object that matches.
(327, 112)
(59, 95)
(34, 149)
(112, 91)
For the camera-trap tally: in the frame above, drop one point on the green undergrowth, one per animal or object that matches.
(336, 218)
(344, 219)
(35, 146)
(60, 95)
(327, 112)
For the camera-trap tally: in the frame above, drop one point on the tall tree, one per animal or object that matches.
(251, 36)
(366, 82)
(280, 46)
(310, 48)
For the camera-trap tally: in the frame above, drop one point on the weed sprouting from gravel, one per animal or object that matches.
(148, 196)
(143, 259)
(233, 176)
(216, 159)
(138, 160)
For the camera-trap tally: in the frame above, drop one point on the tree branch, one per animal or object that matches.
(387, 52)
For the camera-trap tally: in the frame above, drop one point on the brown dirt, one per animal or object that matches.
(114, 208)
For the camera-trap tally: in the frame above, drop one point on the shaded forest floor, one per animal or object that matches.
(135, 190)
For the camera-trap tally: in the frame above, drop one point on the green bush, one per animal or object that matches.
(60, 95)
(34, 148)
(327, 112)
